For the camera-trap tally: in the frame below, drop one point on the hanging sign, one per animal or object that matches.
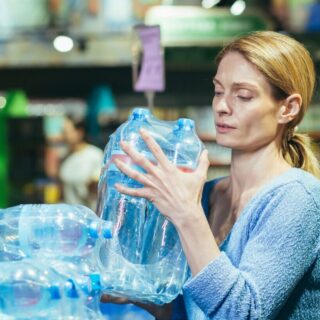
(151, 76)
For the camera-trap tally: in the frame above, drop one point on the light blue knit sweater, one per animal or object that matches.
(269, 267)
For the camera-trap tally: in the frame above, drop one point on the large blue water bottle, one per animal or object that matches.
(144, 261)
(49, 231)
(127, 213)
(10, 252)
(162, 247)
(102, 185)
(186, 145)
(9, 239)
(28, 291)
(74, 307)
(85, 275)
(120, 258)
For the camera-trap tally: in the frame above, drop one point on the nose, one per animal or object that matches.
(221, 105)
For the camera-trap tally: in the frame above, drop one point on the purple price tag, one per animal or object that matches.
(151, 77)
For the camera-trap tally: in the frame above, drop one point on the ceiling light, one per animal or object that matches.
(3, 102)
(63, 43)
(238, 7)
(207, 4)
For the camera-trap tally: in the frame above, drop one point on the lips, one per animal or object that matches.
(224, 128)
(224, 125)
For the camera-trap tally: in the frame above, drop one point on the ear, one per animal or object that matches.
(290, 108)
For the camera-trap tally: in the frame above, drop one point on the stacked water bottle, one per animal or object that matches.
(57, 260)
(144, 261)
(48, 262)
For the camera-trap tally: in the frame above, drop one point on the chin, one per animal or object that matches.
(228, 143)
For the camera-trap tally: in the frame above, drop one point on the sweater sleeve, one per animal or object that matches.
(281, 246)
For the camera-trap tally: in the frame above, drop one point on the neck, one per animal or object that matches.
(78, 146)
(250, 171)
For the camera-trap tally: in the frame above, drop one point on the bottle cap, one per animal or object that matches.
(54, 292)
(185, 123)
(95, 281)
(94, 230)
(107, 229)
(107, 233)
(140, 113)
(71, 290)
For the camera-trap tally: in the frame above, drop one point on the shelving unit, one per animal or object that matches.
(26, 151)
(105, 50)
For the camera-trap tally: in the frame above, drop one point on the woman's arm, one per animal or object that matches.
(277, 253)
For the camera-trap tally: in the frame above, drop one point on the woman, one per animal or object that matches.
(80, 170)
(253, 244)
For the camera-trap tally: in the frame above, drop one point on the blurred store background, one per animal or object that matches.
(62, 58)
(74, 57)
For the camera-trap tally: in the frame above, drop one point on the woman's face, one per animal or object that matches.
(246, 115)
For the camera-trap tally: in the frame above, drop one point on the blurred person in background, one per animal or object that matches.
(80, 169)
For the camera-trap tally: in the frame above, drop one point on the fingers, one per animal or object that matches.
(155, 148)
(203, 165)
(106, 298)
(137, 157)
(132, 173)
(134, 192)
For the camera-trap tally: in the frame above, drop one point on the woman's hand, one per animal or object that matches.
(106, 298)
(176, 194)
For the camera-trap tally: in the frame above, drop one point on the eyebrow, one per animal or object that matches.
(238, 84)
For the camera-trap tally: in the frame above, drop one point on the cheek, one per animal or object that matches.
(70, 137)
(263, 127)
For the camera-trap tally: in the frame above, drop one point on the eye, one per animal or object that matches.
(218, 93)
(243, 98)
(244, 95)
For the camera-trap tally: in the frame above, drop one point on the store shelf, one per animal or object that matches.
(112, 49)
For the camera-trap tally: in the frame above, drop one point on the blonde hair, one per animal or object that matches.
(288, 67)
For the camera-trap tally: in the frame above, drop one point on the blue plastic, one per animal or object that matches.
(144, 261)
(127, 213)
(184, 150)
(161, 242)
(51, 230)
(27, 290)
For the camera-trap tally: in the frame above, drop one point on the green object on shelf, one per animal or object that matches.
(17, 103)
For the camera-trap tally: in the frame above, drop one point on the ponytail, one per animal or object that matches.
(297, 151)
